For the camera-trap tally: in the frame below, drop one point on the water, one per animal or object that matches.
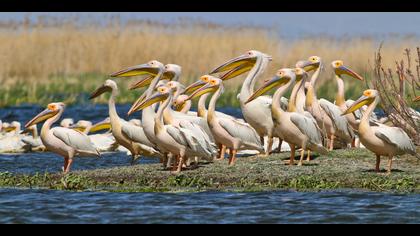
(47, 206)
(51, 206)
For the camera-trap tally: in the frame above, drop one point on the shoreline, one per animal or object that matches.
(350, 169)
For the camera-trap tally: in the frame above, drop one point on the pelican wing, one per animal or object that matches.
(340, 122)
(307, 125)
(241, 130)
(76, 140)
(397, 137)
(176, 134)
(198, 135)
(135, 133)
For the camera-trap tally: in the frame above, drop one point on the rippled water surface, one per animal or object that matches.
(49, 206)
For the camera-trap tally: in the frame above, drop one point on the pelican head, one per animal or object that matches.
(172, 72)
(340, 69)
(101, 125)
(282, 77)
(161, 94)
(108, 86)
(367, 98)
(179, 102)
(66, 122)
(81, 125)
(211, 86)
(150, 69)
(13, 126)
(240, 64)
(313, 63)
(51, 110)
(176, 86)
(198, 84)
(300, 74)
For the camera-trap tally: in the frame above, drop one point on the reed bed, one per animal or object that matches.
(56, 59)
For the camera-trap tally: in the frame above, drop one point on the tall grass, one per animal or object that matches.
(57, 59)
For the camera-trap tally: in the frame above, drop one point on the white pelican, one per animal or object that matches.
(325, 113)
(33, 142)
(66, 122)
(123, 131)
(233, 134)
(340, 101)
(62, 141)
(381, 140)
(257, 113)
(293, 127)
(11, 140)
(185, 140)
(103, 142)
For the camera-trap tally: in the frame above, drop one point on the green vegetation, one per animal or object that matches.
(341, 169)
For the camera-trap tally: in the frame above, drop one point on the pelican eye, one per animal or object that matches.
(213, 82)
(52, 107)
(205, 78)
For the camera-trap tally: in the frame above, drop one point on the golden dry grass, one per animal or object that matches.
(35, 55)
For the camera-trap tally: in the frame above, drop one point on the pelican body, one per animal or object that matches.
(258, 112)
(62, 141)
(234, 134)
(295, 128)
(381, 140)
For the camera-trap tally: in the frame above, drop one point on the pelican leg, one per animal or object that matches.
(222, 149)
(308, 158)
(331, 143)
(292, 154)
(389, 164)
(302, 154)
(66, 162)
(174, 163)
(180, 163)
(232, 157)
(378, 161)
(68, 165)
(353, 142)
(269, 145)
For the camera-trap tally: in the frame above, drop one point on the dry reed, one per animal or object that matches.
(37, 54)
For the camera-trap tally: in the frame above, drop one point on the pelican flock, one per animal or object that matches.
(169, 130)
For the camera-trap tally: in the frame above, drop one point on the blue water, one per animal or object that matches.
(51, 206)
(47, 206)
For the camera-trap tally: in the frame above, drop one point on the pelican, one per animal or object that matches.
(33, 142)
(381, 140)
(340, 101)
(258, 113)
(233, 134)
(155, 71)
(123, 131)
(182, 104)
(62, 141)
(102, 142)
(201, 109)
(293, 127)
(11, 141)
(66, 122)
(185, 140)
(326, 113)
